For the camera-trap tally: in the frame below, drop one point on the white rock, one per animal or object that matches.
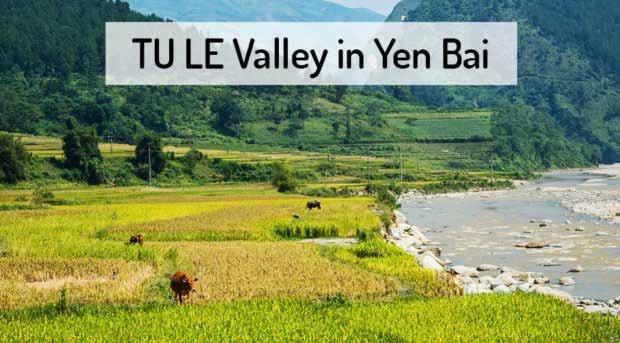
(567, 281)
(541, 281)
(487, 267)
(586, 302)
(552, 292)
(524, 287)
(428, 260)
(488, 280)
(473, 288)
(506, 279)
(464, 271)
(577, 269)
(501, 289)
(595, 309)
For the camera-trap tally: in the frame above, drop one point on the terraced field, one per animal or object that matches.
(352, 158)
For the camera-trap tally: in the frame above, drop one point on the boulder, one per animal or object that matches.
(488, 280)
(567, 281)
(535, 245)
(434, 250)
(464, 271)
(487, 267)
(556, 293)
(428, 260)
(501, 289)
(524, 287)
(473, 288)
(595, 309)
(505, 279)
(577, 269)
(541, 280)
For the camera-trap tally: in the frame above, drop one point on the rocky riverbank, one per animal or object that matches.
(487, 278)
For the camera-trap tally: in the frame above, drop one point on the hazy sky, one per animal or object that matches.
(380, 6)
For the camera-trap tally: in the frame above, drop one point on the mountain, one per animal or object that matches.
(52, 63)
(402, 9)
(254, 10)
(565, 110)
(383, 7)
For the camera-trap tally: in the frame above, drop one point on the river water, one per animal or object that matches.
(478, 228)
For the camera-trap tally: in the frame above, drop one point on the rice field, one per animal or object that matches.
(82, 247)
(68, 274)
(493, 318)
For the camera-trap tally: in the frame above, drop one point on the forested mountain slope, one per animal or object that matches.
(254, 10)
(52, 66)
(566, 109)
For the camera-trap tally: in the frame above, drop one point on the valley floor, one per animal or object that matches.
(68, 274)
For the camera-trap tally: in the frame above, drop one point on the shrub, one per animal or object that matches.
(289, 231)
(372, 248)
(41, 196)
(282, 177)
(13, 160)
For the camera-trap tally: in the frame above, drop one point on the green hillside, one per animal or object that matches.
(564, 112)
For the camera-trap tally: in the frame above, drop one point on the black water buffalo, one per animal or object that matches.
(313, 204)
(139, 239)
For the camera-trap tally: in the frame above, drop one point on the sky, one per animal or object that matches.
(380, 6)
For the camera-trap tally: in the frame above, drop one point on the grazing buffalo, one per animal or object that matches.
(182, 285)
(139, 239)
(313, 204)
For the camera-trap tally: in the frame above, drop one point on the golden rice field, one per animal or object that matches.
(248, 270)
(32, 282)
(83, 247)
(68, 274)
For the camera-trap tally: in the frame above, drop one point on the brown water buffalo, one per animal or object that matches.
(313, 204)
(139, 239)
(182, 285)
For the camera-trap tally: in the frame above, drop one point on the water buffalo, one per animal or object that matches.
(139, 239)
(182, 285)
(313, 204)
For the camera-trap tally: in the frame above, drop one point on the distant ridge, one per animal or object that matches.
(253, 10)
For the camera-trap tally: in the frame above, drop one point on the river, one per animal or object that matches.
(483, 228)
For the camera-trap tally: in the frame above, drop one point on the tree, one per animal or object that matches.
(229, 114)
(81, 148)
(13, 159)
(282, 177)
(149, 151)
(339, 93)
(191, 160)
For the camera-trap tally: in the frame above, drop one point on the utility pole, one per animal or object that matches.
(150, 176)
(110, 142)
(368, 163)
(492, 171)
(400, 157)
